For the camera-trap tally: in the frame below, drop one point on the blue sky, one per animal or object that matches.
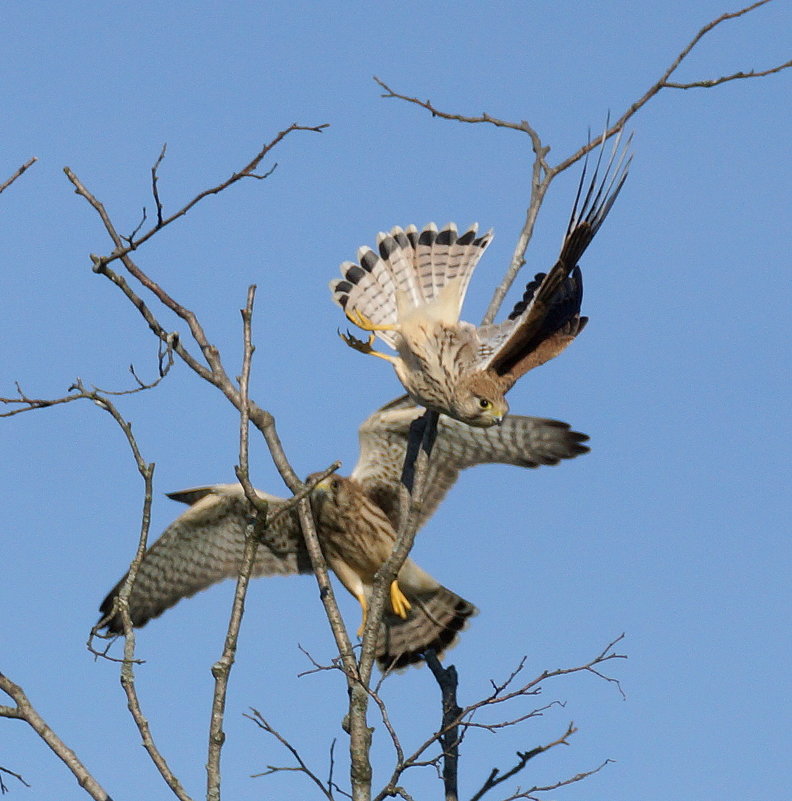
(674, 529)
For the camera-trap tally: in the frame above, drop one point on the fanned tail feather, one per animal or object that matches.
(435, 621)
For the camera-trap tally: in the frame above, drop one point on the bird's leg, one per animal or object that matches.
(401, 606)
(364, 347)
(361, 321)
(364, 606)
(399, 603)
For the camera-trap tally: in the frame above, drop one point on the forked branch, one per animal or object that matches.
(248, 171)
(543, 172)
(457, 721)
(215, 373)
(24, 710)
(302, 767)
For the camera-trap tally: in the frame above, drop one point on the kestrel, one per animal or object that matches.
(357, 519)
(409, 293)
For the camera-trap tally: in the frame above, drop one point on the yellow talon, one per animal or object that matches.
(361, 321)
(399, 603)
(401, 606)
(364, 347)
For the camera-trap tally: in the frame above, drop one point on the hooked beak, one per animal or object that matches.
(503, 410)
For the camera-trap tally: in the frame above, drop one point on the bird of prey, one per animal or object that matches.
(409, 293)
(357, 519)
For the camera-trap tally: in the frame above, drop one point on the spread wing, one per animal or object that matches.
(521, 441)
(547, 318)
(409, 270)
(205, 545)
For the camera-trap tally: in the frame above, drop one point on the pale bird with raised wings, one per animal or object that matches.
(409, 293)
(357, 519)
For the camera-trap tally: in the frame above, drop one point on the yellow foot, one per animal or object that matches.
(401, 606)
(364, 347)
(361, 321)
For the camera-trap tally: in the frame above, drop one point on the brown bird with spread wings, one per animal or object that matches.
(357, 519)
(409, 293)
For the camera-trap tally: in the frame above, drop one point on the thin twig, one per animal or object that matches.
(248, 171)
(522, 126)
(136, 229)
(101, 266)
(259, 720)
(29, 163)
(724, 78)
(386, 721)
(154, 180)
(3, 787)
(28, 404)
(422, 435)
(530, 795)
(495, 778)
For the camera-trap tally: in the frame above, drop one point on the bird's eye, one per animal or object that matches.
(484, 403)
(334, 484)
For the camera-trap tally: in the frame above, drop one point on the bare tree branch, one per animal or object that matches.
(100, 266)
(436, 112)
(221, 670)
(28, 404)
(419, 447)
(494, 779)
(154, 191)
(531, 794)
(724, 78)
(449, 740)
(3, 787)
(215, 374)
(259, 720)
(121, 605)
(500, 694)
(121, 602)
(248, 171)
(29, 163)
(543, 173)
(24, 710)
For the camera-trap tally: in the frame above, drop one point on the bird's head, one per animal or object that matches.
(479, 401)
(332, 493)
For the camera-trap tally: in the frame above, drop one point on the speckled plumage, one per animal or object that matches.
(205, 544)
(410, 291)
